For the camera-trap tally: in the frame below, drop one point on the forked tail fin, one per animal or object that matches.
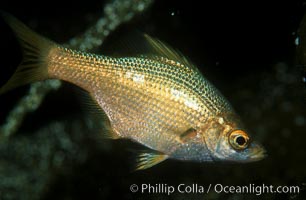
(35, 50)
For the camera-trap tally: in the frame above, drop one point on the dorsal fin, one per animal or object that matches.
(139, 44)
(161, 49)
(164, 50)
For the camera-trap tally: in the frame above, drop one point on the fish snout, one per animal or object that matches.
(256, 152)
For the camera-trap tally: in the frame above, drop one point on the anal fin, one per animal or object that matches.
(97, 115)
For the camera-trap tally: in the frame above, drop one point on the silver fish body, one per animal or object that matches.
(160, 100)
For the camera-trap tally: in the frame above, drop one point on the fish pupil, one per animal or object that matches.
(240, 140)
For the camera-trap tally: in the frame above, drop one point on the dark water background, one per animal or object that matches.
(246, 50)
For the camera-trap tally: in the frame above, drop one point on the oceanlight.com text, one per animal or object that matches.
(162, 188)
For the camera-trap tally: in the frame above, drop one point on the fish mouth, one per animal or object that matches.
(257, 153)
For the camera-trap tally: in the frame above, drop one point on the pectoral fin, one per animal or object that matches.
(148, 159)
(190, 133)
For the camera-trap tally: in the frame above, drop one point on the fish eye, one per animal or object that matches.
(238, 139)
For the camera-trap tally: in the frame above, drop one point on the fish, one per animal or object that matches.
(158, 99)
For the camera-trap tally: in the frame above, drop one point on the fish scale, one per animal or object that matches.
(157, 98)
(83, 71)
